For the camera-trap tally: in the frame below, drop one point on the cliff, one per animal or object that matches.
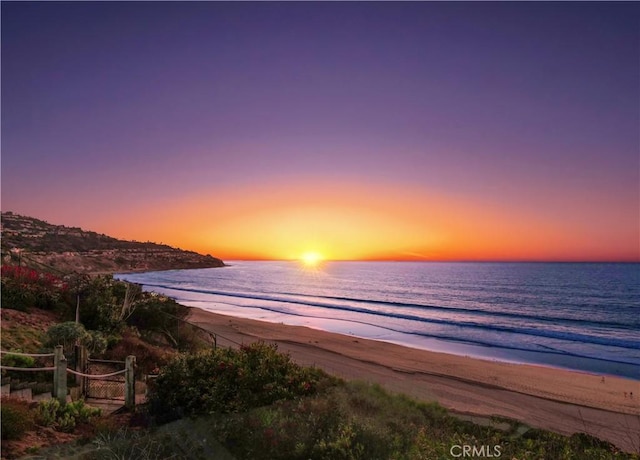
(36, 243)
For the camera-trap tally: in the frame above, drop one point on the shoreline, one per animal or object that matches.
(557, 399)
(612, 354)
(487, 352)
(490, 352)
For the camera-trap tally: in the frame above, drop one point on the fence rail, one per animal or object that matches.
(60, 371)
(105, 361)
(35, 355)
(214, 336)
(96, 376)
(32, 369)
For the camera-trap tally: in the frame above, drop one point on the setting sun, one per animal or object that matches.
(311, 259)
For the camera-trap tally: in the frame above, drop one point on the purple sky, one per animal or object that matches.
(110, 108)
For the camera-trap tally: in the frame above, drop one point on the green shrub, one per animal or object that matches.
(80, 411)
(16, 418)
(66, 423)
(16, 297)
(17, 360)
(228, 380)
(342, 446)
(101, 302)
(64, 418)
(96, 342)
(47, 412)
(69, 333)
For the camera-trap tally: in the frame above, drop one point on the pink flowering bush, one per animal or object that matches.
(24, 287)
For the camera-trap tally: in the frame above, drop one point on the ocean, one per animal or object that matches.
(582, 316)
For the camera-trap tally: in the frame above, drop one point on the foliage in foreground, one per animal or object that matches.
(229, 380)
(346, 421)
(361, 421)
(259, 405)
(64, 418)
(143, 445)
(19, 416)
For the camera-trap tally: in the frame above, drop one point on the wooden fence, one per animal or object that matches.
(60, 371)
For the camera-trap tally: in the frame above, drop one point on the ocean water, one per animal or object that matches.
(583, 316)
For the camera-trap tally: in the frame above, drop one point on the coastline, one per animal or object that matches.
(487, 352)
(551, 398)
(478, 322)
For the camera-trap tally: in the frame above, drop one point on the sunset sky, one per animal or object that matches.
(406, 131)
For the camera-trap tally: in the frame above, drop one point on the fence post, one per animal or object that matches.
(58, 353)
(81, 366)
(60, 383)
(130, 383)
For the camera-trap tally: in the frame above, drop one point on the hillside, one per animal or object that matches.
(36, 243)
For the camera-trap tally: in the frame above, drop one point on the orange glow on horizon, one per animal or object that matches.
(360, 221)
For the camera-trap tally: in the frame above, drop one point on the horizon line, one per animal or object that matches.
(445, 260)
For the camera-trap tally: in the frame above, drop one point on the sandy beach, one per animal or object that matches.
(555, 399)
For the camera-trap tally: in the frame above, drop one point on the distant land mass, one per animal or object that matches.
(38, 244)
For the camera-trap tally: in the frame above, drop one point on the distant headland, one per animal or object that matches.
(39, 244)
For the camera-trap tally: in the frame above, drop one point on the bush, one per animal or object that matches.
(64, 418)
(17, 360)
(15, 297)
(24, 287)
(96, 342)
(16, 418)
(100, 302)
(228, 380)
(47, 412)
(352, 421)
(160, 315)
(67, 334)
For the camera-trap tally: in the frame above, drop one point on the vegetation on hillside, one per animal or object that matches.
(226, 380)
(24, 287)
(117, 319)
(19, 416)
(103, 303)
(256, 404)
(36, 243)
(35, 235)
